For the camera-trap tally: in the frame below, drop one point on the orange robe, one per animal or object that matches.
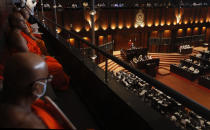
(31, 30)
(44, 112)
(39, 42)
(60, 79)
(129, 44)
(32, 45)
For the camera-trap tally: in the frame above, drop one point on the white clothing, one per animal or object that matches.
(31, 6)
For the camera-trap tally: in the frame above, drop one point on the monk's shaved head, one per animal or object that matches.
(16, 20)
(25, 13)
(22, 69)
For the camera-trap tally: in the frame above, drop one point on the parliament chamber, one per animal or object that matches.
(105, 64)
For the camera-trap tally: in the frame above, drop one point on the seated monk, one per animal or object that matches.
(35, 37)
(25, 81)
(21, 42)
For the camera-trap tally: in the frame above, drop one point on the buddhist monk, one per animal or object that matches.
(21, 42)
(35, 37)
(25, 81)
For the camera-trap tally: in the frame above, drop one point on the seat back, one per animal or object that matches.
(68, 124)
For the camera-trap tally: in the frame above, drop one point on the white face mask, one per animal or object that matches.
(43, 90)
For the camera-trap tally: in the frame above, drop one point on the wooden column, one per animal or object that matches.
(173, 40)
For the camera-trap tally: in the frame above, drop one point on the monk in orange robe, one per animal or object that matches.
(60, 79)
(44, 111)
(36, 37)
(20, 105)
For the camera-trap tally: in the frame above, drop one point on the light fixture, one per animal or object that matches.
(85, 4)
(178, 18)
(92, 12)
(58, 30)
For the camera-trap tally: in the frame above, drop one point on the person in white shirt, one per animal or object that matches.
(22, 3)
(31, 4)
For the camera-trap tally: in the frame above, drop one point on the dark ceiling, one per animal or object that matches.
(131, 3)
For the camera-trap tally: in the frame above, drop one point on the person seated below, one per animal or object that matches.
(25, 81)
(19, 41)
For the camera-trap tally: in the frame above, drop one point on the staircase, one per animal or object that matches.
(112, 66)
(166, 59)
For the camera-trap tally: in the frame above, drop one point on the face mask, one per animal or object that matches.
(44, 89)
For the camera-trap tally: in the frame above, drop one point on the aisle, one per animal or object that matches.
(186, 87)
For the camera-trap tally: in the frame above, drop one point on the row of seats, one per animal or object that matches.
(25, 74)
(140, 60)
(167, 106)
(194, 67)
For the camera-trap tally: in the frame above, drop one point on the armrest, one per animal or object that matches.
(59, 112)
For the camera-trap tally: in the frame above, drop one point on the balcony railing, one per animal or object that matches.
(82, 45)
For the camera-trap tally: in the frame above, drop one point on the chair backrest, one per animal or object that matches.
(59, 113)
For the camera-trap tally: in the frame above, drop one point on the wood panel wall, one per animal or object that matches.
(208, 35)
(119, 24)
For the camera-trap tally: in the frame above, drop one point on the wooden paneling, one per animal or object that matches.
(77, 16)
(154, 34)
(157, 17)
(60, 19)
(187, 15)
(104, 20)
(203, 30)
(197, 15)
(72, 41)
(188, 32)
(169, 16)
(100, 40)
(196, 31)
(150, 16)
(128, 19)
(163, 16)
(121, 40)
(120, 23)
(208, 35)
(180, 33)
(208, 15)
(117, 19)
(192, 16)
(167, 34)
(113, 19)
(203, 14)
(87, 39)
(109, 38)
(66, 20)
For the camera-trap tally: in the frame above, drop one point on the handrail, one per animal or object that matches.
(198, 108)
(60, 113)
